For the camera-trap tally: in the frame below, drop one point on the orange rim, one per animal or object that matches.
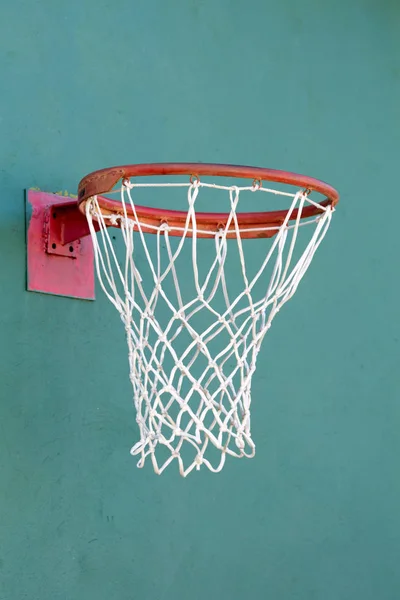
(104, 180)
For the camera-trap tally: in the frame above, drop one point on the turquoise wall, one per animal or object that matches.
(308, 86)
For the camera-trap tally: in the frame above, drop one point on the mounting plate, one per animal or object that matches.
(54, 267)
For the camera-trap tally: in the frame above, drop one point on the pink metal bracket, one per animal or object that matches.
(60, 250)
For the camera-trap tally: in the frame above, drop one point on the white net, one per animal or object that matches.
(193, 340)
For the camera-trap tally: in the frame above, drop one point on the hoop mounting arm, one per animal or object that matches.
(59, 247)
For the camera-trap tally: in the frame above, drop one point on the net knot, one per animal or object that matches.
(181, 367)
(239, 442)
(114, 219)
(201, 346)
(127, 184)
(199, 461)
(164, 226)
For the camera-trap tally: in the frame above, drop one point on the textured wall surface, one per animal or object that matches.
(312, 87)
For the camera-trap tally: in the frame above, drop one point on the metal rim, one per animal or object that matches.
(104, 180)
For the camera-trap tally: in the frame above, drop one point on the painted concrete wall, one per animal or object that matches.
(312, 87)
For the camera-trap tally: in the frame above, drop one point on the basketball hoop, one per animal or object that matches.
(193, 342)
